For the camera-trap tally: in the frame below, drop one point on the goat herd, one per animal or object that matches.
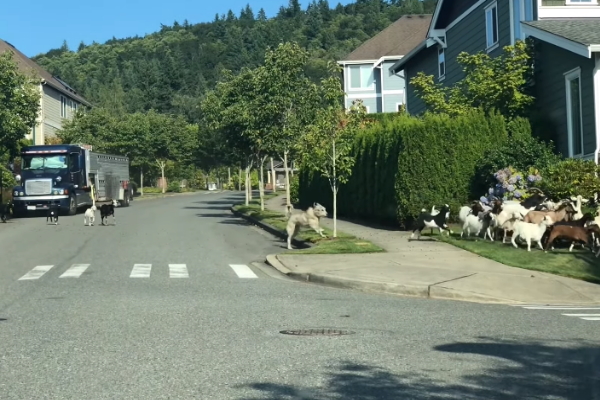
(535, 219)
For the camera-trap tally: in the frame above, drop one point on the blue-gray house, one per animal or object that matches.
(367, 73)
(567, 59)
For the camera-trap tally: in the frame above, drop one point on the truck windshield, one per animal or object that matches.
(38, 162)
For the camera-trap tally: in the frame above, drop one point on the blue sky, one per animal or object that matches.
(34, 27)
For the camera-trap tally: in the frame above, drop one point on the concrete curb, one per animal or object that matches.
(427, 292)
(271, 229)
(161, 196)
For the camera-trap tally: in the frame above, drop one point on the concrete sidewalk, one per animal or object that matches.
(428, 268)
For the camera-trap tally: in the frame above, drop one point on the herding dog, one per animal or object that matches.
(90, 215)
(310, 217)
(52, 213)
(107, 210)
(5, 211)
(426, 220)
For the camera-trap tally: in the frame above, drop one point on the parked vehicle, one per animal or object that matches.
(64, 175)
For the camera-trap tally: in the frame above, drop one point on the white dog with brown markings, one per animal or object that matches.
(311, 217)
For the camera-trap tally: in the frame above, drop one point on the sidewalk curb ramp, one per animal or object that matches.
(429, 292)
(299, 243)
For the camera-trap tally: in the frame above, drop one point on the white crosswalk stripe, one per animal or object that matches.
(75, 271)
(141, 271)
(176, 271)
(243, 271)
(36, 273)
(590, 316)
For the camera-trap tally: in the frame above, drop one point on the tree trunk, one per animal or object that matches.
(246, 185)
(162, 173)
(228, 177)
(335, 189)
(141, 181)
(250, 182)
(273, 176)
(287, 179)
(241, 174)
(261, 180)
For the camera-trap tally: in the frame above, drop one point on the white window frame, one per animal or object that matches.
(441, 52)
(368, 109)
(63, 106)
(398, 105)
(494, 45)
(569, 76)
(362, 88)
(581, 3)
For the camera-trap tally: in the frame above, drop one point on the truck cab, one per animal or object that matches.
(51, 175)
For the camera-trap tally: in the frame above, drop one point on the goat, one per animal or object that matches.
(570, 232)
(582, 222)
(530, 232)
(426, 220)
(107, 210)
(505, 221)
(478, 224)
(562, 214)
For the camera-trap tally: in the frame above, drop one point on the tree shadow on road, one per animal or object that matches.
(512, 370)
(216, 215)
(207, 208)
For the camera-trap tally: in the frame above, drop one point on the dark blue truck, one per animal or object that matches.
(64, 175)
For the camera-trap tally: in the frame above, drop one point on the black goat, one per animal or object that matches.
(106, 210)
(52, 213)
(426, 220)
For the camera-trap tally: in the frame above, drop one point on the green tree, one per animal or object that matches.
(490, 83)
(327, 146)
(286, 101)
(19, 103)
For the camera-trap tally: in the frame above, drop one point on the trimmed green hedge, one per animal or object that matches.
(404, 164)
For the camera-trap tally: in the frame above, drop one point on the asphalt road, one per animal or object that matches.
(198, 328)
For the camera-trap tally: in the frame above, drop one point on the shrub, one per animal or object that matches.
(439, 158)
(521, 151)
(405, 163)
(569, 178)
(294, 188)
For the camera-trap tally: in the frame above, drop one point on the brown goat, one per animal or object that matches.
(569, 232)
(563, 213)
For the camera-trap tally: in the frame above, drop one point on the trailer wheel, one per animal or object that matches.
(72, 205)
(125, 202)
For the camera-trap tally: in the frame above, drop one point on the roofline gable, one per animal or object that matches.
(559, 41)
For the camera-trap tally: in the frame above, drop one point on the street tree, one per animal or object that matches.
(499, 83)
(326, 148)
(286, 101)
(19, 103)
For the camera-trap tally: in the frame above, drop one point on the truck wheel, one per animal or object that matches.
(72, 205)
(125, 202)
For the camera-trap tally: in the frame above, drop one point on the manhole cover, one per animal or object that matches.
(316, 332)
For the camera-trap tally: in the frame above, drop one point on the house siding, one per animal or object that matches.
(552, 63)
(426, 62)
(371, 101)
(470, 35)
(561, 3)
(391, 100)
(391, 81)
(51, 119)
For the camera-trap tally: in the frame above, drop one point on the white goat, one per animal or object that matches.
(530, 232)
(479, 223)
(506, 220)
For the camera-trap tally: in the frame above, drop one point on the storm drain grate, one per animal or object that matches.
(316, 332)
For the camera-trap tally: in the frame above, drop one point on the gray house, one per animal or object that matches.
(567, 74)
(367, 73)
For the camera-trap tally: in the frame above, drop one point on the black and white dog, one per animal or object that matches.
(106, 210)
(52, 213)
(426, 220)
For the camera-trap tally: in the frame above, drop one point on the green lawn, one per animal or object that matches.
(344, 243)
(578, 264)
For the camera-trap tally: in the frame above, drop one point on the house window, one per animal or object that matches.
(441, 62)
(522, 10)
(574, 114)
(491, 25)
(63, 106)
(362, 77)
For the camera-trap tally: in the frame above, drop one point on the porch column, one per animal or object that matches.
(597, 104)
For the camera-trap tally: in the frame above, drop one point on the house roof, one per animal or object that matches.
(581, 36)
(395, 40)
(26, 64)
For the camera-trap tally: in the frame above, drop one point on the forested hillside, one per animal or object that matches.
(170, 70)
